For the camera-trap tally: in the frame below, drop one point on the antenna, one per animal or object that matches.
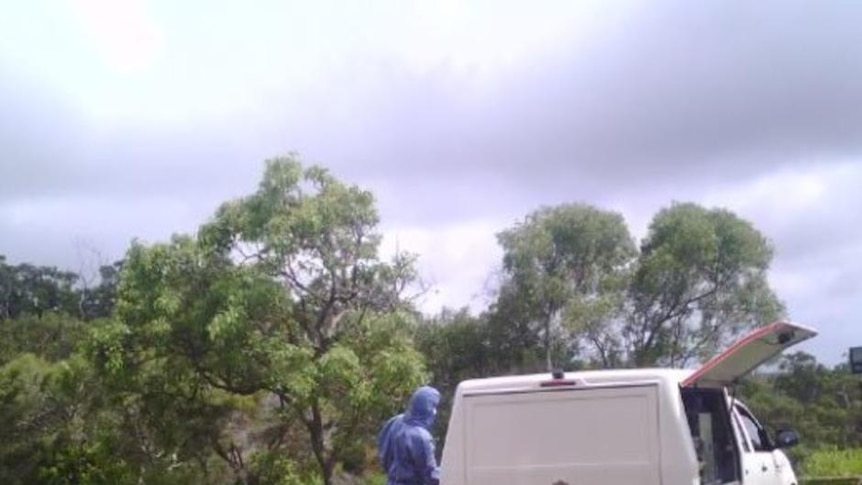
(397, 246)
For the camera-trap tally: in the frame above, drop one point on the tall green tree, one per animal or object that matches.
(560, 257)
(701, 279)
(54, 337)
(457, 346)
(27, 289)
(279, 313)
(98, 301)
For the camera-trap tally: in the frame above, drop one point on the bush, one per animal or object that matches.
(272, 468)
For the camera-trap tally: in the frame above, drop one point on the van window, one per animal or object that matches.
(710, 426)
(756, 434)
(737, 430)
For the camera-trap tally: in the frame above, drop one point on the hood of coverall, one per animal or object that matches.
(422, 409)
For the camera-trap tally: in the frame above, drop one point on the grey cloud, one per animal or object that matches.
(721, 90)
(49, 149)
(71, 231)
(37, 133)
(678, 93)
(827, 226)
(804, 241)
(827, 300)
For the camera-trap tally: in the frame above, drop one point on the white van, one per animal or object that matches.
(621, 427)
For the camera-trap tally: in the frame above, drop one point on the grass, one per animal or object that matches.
(834, 462)
(836, 467)
(831, 481)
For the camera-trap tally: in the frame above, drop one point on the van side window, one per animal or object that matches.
(756, 433)
(737, 428)
(711, 430)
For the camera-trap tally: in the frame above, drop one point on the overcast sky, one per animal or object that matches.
(123, 119)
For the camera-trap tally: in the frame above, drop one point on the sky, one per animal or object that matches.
(128, 119)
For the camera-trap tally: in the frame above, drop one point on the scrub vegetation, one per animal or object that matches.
(268, 346)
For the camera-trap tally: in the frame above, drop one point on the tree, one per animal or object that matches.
(98, 302)
(700, 281)
(802, 377)
(26, 289)
(518, 343)
(45, 411)
(279, 313)
(53, 337)
(456, 346)
(823, 405)
(563, 256)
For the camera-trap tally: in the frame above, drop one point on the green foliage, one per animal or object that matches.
(565, 257)
(25, 411)
(273, 468)
(26, 289)
(576, 285)
(279, 313)
(53, 337)
(830, 481)
(700, 281)
(30, 290)
(375, 479)
(50, 435)
(833, 462)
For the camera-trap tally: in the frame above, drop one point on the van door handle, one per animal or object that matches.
(763, 468)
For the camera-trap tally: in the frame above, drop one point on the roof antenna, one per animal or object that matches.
(396, 245)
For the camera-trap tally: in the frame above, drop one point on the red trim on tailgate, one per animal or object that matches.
(754, 335)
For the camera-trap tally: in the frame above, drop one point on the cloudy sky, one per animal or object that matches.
(135, 118)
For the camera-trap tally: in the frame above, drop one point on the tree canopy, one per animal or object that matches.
(280, 307)
(563, 265)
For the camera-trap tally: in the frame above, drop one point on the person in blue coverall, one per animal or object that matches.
(405, 445)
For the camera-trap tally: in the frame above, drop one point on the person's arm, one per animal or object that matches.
(384, 454)
(425, 459)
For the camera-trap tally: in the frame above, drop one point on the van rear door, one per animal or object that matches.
(748, 353)
(568, 435)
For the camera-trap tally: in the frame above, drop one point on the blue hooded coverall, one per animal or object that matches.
(405, 445)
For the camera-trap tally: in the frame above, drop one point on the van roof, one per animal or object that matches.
(738, 360)
(603, 376)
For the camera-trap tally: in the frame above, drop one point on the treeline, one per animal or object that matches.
(268, 346)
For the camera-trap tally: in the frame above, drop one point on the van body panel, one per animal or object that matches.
(576, 442)
(547, 436)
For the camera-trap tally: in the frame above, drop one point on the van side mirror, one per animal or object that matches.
(786, 438)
